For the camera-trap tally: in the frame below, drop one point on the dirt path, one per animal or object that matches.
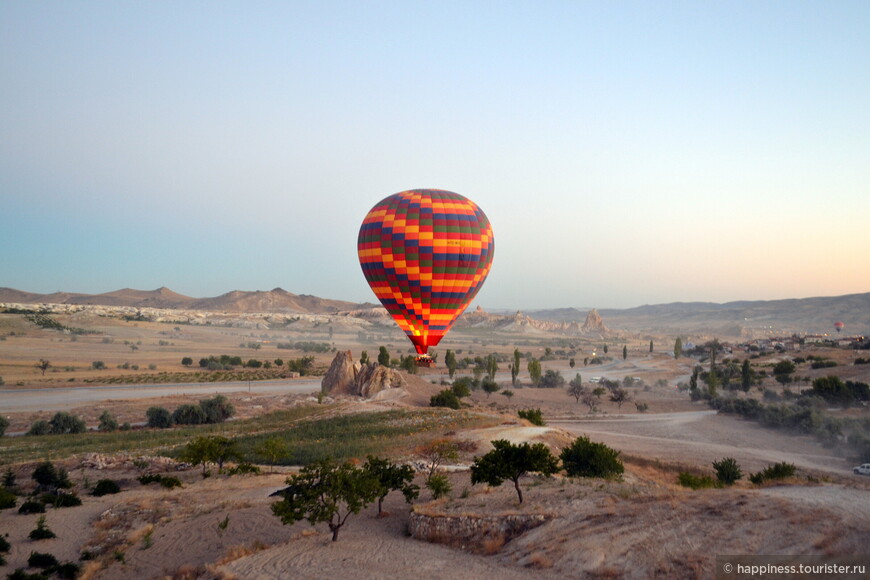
(701, 437)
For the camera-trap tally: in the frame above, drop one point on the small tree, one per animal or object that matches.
(461, 389)
(187, 361)
(436, 452)
(624, 352)
(515, 367)
(272, 450)
(107, 422)
(325, 491)
(727, 470)
(49, 478)
(383, 356)
(650, 345)
(43, 365)
(678, 347)
(571, 362)
(745, 376)
(450, 362)
(4, 424)
(199, 451)
(158, 417)
(363, 358)
(619, 396)
(489, 386)
(491, 365)
(510, 461)
(585, 458)
(391, 477)
(575, 387)
(534, 367)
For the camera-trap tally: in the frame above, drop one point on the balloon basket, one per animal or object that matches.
(424, 360)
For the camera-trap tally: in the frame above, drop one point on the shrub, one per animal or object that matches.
(439, 485)
(533, 416)
(107, 422)
(40, 427)
(461, 388)
(188, 414)
(158, 417)
(727, 470)
(166, 481)
(244, 469)
(40, 560)
(61, 500)
(47, 476)
(585, 458)
(4, 545)
(32, 507)
(781, 470)
(7, 499)
(4, 422)
(106, 487)
(67, 570)
(693, 481)
(41, 532)
(446, 398)
(217, 409)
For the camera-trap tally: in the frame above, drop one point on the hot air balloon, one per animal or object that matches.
(425, 254)
(839, 326)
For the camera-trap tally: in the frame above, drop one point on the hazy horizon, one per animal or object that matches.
(625, 153)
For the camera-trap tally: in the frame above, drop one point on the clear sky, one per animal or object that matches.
(626, 153)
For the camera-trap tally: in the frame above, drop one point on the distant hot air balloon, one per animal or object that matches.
(839, 326)
(425, 254)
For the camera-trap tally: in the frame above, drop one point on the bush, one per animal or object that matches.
(166, 481)
(32, 507)
(7, 499)
(461, 388)
(217, 409)
(244, 469)
(47, 476)
(552, 380)
(4, 422)
(781, 470)
(158, 417)
(439, 485)
(533, 416)
(693, 481)
(67, 570)
(585, 458)
(41, 532)
(446, 398)
(188, 414)
(4, 545)
(107, 422)
(61, 500)
(40, 560)
(727, 470)
(106, 487)
(40, 427)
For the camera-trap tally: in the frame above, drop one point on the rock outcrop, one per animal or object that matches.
(348, 377)
(594, 324)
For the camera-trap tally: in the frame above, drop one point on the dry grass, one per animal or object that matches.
(492, 544)
(240, 551)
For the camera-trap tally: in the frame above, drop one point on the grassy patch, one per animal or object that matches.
(355, 436)
(310, 434)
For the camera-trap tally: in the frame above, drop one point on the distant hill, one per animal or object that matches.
(732, 319)
(742, 318)
(277, 300)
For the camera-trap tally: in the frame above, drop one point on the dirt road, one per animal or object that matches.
(701, 437)
(64, 399)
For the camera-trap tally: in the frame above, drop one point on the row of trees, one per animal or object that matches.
(329, 492)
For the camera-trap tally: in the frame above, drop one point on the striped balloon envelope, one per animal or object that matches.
(425, 254)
